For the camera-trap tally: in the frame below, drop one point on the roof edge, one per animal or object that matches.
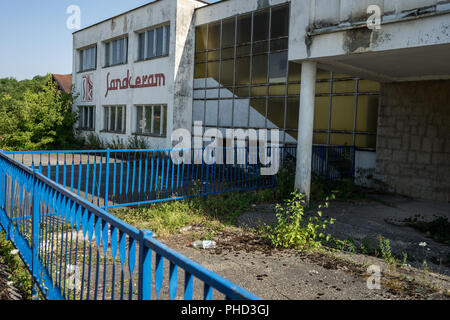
(126, 12)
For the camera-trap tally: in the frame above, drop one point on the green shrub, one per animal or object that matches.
(116, 144)
(94, 142)
(296, 230)
(137, 143)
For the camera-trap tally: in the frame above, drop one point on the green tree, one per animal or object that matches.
(37, 119)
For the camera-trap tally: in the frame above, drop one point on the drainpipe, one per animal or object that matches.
(305, 128)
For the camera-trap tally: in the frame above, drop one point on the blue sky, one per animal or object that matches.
(34, 36)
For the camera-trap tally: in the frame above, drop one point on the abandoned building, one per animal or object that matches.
(314, 69)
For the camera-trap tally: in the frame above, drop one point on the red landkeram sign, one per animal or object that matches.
(146, 81)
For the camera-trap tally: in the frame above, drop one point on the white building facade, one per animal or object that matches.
(238, 64)
(130, 71)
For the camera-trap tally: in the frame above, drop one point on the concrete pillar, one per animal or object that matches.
(305, 128)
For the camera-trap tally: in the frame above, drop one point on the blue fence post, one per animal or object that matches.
(206, 176)
(35, 235)
(145, 267)
(207, 182)
(108, 157)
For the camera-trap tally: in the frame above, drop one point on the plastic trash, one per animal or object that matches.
(204, 244)
(186, 229)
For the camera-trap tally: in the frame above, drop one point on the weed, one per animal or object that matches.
(367, 247)
(388, 256)
(294, 230)
(386, 252)
(342, 245)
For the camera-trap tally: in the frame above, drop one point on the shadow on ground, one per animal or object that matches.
(359, 221)
(252, 263)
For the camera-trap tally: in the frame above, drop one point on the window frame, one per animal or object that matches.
(165, 44)
(107, 119)
(83, 123)
(243, 87)
(81, 60)
(110, 43)
(163, 123)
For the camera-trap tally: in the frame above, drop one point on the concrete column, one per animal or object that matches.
(305, 128)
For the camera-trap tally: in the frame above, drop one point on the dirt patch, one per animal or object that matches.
(249, 261)
(360, 222)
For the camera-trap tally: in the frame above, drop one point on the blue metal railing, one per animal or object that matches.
(328, 162)
(120, 178)
(77, 251)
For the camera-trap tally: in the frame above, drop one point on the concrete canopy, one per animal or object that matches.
(411, 44)
(412, 64)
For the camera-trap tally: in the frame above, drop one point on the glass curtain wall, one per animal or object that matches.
(243, 79)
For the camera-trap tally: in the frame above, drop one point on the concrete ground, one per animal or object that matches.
(360, 220)
(289, 274)
(382, 216)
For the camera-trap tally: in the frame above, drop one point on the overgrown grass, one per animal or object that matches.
(20, 276)
(213, 214)
(297, 226)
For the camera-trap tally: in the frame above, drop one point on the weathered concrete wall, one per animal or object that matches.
(328, 29)
(184, 65)
(128, 24)
(365, 163)
(413, 146)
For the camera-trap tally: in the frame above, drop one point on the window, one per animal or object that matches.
(115, 119)
(116, 52)
(151, 120)
(88, 59)
(243, 79)
(154, 43)
(86, 120)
